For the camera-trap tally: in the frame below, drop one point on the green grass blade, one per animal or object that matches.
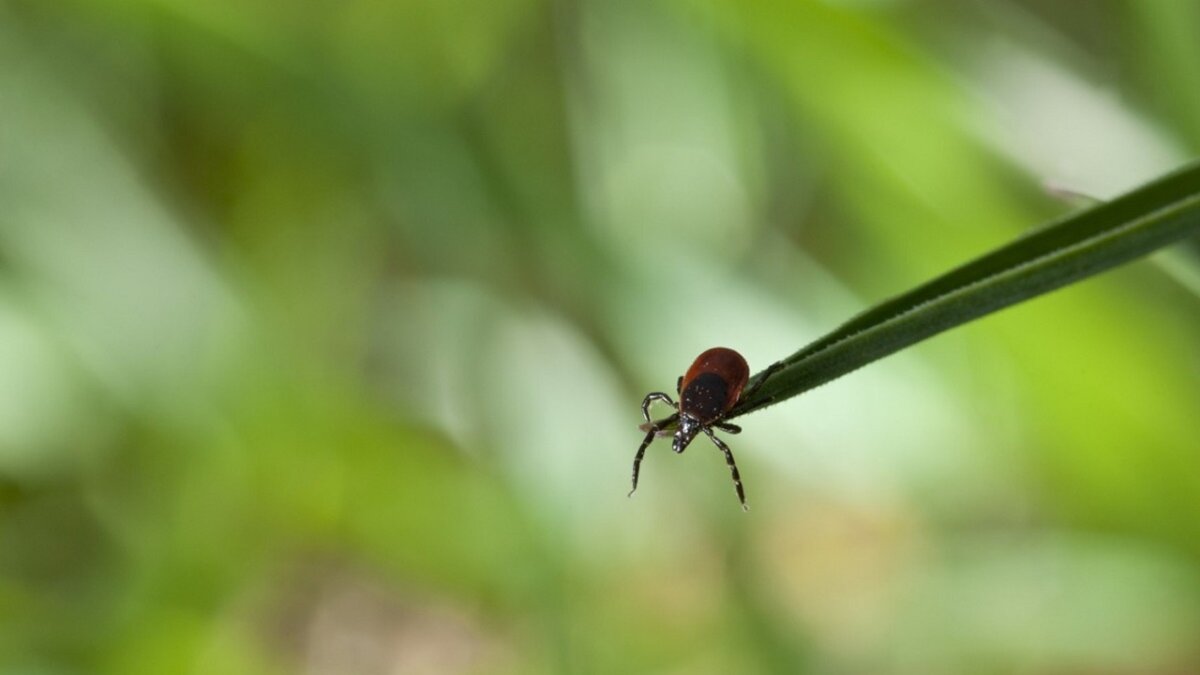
(1066, 251)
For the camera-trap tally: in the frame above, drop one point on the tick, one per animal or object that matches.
(709, 389)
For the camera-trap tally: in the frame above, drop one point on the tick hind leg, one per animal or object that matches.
(771, 370)
(733, 470)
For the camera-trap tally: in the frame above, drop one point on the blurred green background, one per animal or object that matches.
(324, 327)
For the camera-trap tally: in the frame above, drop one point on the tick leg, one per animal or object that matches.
(652, 397)
(728, 428)
(737, 479)
(679, 386)
(771, 370)
(637, 459)
(661, 426)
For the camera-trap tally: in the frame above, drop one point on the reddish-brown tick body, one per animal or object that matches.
(713, 384)
(709, 389)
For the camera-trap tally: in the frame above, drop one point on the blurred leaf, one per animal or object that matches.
(1072, 249)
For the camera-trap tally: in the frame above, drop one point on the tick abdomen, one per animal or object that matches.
(705, 397)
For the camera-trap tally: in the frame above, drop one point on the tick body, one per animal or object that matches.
(709, 389)
(712, 385)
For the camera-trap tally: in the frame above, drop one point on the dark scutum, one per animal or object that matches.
(705, 396)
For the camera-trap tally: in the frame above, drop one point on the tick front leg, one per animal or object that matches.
(637, 459)
(662, 426)
(728, 428)
(652, 397)
(737, 479)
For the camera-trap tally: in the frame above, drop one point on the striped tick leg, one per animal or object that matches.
(652, 397)
(653, 429)
(637, 459)
(737, 479)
